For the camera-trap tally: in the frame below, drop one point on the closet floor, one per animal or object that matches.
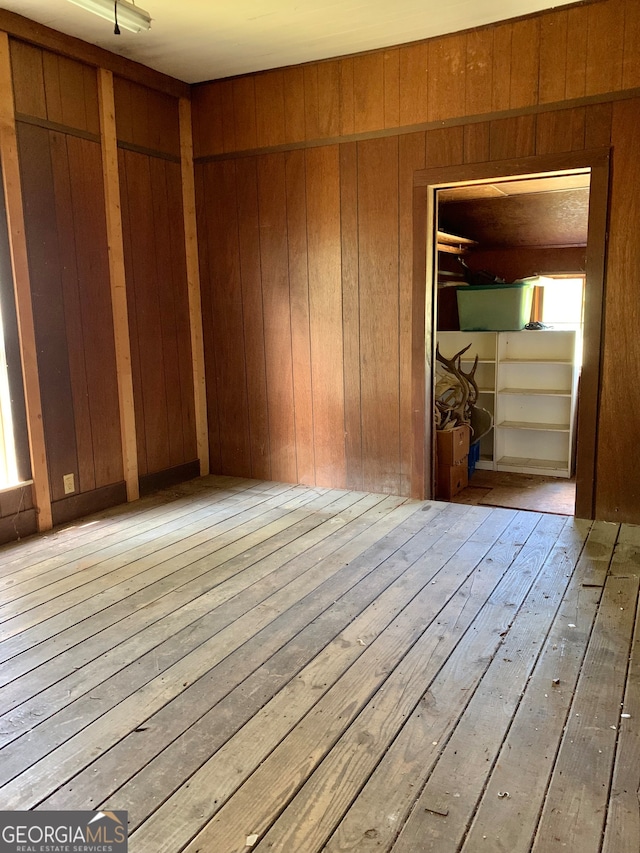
(520, 491)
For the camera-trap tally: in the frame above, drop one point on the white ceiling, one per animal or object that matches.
(197, 40)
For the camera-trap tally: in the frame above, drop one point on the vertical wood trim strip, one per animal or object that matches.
(193, 283)
(22, 288)
(421, 483)
(118, 282)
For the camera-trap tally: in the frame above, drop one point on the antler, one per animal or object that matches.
(455, 403)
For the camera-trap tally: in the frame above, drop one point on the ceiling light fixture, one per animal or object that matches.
(121, 13)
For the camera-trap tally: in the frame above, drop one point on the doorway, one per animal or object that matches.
(520, 263)
(481, 177)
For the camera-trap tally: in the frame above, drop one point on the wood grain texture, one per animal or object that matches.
(27, 75)
(561, 130)
(88, 312)
(351, 313)
(11, 342)
(325, 313)
(445, 147)
(297, 244)
(501, 98)
(71, 92)
(447, 77)
(206, 110)
(204, 175)
(631, 55)
(368, 89)
(48, 305)
(225, 359)
(73, 312)
(544, 58)
(411, 157)
(311, 112)
(414, 89)
(13, 205)
(276, 299)
(598, 125)
(553, 57)
(244, 113)
(379, 321)
(477, 142)
(605, 47)
(330, 665)
(270, 125)
(479, 71)
(136, 184)
(253, 317)
(512, 138)
(525, 63)
(617, 493)
(196, 368)
(293, 84)
(149, 119)
(392, 88)
(329, 99)
(347, 97)
(117, 276)
(577, 51)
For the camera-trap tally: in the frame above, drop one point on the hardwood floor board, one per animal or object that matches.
(188, 599)
(334, 671)
(209, 709)
(153, 602)
(575, 807)
(222, 538)
(114, 675)
(525, 762)
(461, 772)
(391, 563)
(33, 555)
(344, 676)
(37, 575)
(622, 831)
(317, 809)
(378, 812)
(381, 807)
(71, 756)
(105, 560)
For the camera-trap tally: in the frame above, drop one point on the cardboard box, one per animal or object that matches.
(453, 444)
(451, 479)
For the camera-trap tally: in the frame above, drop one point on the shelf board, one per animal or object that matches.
(567, 361)
(555, 465)
(536, 426)
(486, 390)
(548, 392)
(464, 360)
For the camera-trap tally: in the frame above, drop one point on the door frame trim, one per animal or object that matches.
(426, 183)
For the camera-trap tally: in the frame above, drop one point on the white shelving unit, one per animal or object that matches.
(532, 394)
(484, 344)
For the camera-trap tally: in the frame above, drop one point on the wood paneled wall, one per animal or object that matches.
(582, 51)
(65, 227)
(151, 198)
(59, 145)
(306, 254)
(512, 264)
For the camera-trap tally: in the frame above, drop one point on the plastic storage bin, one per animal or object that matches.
(494, 307)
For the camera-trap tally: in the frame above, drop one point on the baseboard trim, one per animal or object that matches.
(169, 477)
(86, 503)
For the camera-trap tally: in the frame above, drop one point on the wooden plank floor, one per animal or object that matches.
(245, 665)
